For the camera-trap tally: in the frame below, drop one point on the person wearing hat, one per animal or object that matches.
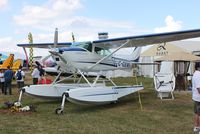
(196, 96)
(35, 74)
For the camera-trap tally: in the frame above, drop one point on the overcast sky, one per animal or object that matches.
(85, 18)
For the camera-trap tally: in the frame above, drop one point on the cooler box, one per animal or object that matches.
(45, 81)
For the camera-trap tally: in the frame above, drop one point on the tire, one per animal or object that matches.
(59, 111)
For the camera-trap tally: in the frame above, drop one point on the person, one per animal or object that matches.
(196, 96)
(2, 79)
(8, 75)
(40, 68)
(35, 74)
(20, 75)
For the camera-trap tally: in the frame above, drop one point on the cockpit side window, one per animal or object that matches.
(101, 51)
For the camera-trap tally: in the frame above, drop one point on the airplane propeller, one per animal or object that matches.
(56, 38)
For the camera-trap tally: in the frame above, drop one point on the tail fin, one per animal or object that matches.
(8, 62)
(136, 54)
(16, 65)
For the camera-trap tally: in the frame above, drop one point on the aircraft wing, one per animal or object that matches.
(142, 40)
(45, 45)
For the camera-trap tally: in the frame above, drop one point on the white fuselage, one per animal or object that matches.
(84, 60)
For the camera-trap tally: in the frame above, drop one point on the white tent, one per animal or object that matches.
(159, 50)
(179, 56)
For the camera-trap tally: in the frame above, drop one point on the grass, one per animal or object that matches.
(157, 117)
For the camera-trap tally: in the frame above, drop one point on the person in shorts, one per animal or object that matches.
(196, 96)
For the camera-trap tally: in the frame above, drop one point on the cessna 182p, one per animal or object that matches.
(56, 89)
(94, 56)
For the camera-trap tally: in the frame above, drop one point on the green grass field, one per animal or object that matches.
(156, 117)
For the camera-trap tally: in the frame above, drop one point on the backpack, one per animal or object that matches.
(19, 75)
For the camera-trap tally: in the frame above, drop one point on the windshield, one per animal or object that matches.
(86, 45)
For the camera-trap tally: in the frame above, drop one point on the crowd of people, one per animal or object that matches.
(7, 76)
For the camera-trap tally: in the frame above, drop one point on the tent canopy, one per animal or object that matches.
(179, 56)
(162, 49)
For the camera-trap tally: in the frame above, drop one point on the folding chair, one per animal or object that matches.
(164, 84)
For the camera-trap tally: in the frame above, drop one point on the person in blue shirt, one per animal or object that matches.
(8, 75)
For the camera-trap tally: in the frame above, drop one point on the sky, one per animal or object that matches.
(86, 18)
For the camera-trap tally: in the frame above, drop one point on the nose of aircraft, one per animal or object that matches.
(54, 53)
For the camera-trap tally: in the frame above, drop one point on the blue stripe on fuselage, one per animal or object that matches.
(101, 94)
(71, 49)
(107, 64)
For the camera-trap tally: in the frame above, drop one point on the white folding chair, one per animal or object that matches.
(164, 84)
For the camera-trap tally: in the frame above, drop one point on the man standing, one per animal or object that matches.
(20, 75)
(196, 96)
(8, 75)
(35, 74)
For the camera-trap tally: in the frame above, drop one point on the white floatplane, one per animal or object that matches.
(94, 56)
(56, 89)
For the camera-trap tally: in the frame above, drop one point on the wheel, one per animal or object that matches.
(113, 102)
(59, 111)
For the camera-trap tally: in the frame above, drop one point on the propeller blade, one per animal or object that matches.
(57, 54)
(45, 58)
(56, 38)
